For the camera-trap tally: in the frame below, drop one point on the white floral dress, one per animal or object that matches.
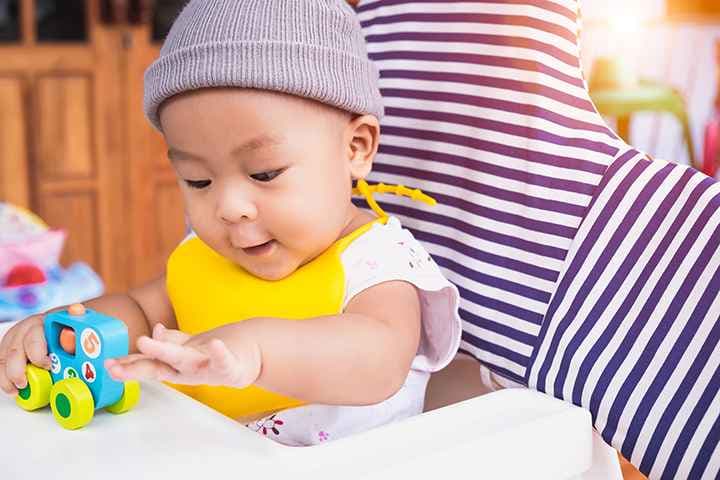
(384, 253)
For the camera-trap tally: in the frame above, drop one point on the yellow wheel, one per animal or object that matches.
(37, 392)
(72, 403)
(130, 398)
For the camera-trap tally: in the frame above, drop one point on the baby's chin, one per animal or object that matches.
(266, 269)
(271, 275)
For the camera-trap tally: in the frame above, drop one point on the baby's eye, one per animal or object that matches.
(267, 176)
(198, 184)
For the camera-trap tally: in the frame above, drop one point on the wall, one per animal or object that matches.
(681, 55)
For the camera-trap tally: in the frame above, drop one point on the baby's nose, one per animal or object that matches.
(233, 207)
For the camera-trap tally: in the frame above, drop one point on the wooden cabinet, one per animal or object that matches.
(74, 145)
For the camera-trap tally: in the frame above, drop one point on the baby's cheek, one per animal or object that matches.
(288, 217)
(209, 231)
(200, 214)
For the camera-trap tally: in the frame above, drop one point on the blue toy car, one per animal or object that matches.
(79, 340)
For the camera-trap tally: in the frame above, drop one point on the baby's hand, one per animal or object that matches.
(23, 343)
(173, 356)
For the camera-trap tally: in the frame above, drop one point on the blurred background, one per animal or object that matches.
(672, 43)
(76, 150)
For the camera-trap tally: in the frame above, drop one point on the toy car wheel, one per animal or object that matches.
(130, 398)
(72, 403)
(37, 392)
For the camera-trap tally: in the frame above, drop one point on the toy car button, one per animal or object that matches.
(76, 309)
(67, 340)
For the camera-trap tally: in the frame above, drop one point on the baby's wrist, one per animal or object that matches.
(248, 355)
(254, 363)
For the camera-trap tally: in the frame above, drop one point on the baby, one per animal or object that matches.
(287, 308)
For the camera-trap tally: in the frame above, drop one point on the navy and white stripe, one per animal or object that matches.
(633, 331)
(486, 110)
(586, 270)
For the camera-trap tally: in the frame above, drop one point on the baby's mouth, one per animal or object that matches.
(262, 249)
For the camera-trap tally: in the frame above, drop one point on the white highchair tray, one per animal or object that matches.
(514, 433)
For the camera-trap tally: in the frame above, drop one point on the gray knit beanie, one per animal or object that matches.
(309, 48)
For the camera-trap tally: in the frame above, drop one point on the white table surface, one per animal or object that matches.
(514, 433)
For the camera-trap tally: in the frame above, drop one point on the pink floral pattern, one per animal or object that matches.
(266, 425)
(372, 264)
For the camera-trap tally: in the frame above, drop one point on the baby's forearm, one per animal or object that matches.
(346, 359)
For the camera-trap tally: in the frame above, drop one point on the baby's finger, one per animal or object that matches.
(126, 359)
(36, 347)
(15, 368)
(237, 373)
(224, 362)
(183, 359)
(169, 335)
(220, 356)
(140, 369)
(5, 383)
(7, 340)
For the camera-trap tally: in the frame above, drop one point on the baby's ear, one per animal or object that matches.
(363, 134)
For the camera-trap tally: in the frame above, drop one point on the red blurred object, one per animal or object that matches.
(25, 275)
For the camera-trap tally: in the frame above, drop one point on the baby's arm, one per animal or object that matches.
(359, 357)
(145, 307)
(140, 309)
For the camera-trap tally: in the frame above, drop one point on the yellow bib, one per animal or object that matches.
(208, 291)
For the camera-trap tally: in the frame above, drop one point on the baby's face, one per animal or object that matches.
(265, 176)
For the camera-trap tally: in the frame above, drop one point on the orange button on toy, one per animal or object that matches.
(67, 340)
(76, 309)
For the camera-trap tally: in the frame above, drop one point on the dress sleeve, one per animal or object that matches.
(389, 252)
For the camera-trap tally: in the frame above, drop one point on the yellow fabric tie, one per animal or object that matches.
(367, 191)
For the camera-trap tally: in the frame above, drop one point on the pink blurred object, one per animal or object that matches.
(31, 277)
(711, 151)
(711, 148)
(40, 249)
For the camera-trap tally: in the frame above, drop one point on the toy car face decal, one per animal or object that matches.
(55, 364)
(88, 372)
(90, 342)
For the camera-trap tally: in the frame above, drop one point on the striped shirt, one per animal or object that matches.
(586, 269)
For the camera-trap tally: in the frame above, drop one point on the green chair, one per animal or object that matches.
(616, 94)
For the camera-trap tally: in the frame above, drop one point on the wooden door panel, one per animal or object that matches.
(170, 219)
(14, 175)
(66, 180)
(77, 213)
(157, 213)
(39, 58)
(63, 133)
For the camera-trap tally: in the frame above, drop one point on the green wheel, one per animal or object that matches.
(72, 403)
(37, 392)
(130, 398)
